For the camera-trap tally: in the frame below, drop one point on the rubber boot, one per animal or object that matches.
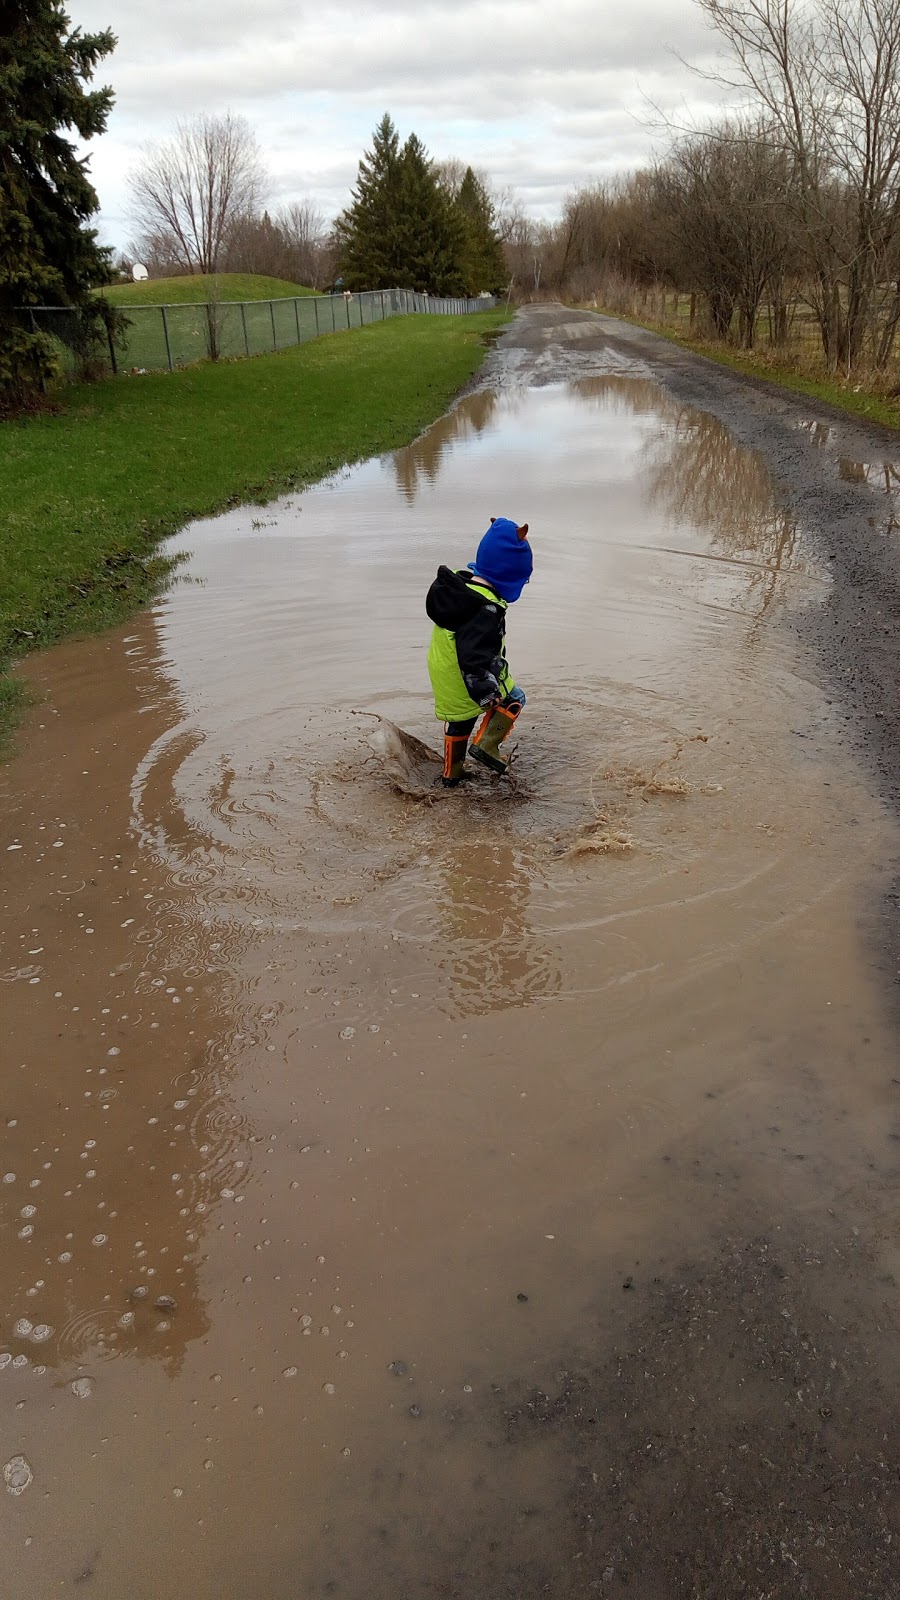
(454, 759)
(496, 725)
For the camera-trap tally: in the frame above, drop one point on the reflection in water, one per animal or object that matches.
(698, 475)
(881, 474)
(422, 459)
(702, 476)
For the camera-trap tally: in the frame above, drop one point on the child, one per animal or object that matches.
(467, 658)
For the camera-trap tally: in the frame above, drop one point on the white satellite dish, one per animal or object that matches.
(139, 273)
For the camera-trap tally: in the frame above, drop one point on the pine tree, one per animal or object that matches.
(47, 253)
(483, 263)
(367, 230)
(430, 233)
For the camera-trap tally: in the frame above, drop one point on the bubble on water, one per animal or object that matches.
(23, 1328)
(41, 1333)
(5, 1359)
(328, 1388)
(28, 1211)
(347, 1033)
(180, 1105)
(115, 1051)
(178, 1493)
(207, 1465)
(83, 1388)
(90, 1144)
(20, 1361)
(336, 1310)
(306, 1321)
(9, 1177)
(126, 1319)
(99, 1238)
(290, 1372)
(17, 1475)
(66, 1255)
(26, 1232)
(321, 1260)
(227, 1194)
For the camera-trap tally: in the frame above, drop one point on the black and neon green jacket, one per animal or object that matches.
(467, 656)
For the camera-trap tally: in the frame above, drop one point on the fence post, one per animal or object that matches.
(112, 352)
(244, 325)
(297, 317)
(347, 304)
(165, 323)
(316, 309)
(272, 315)
(333, 316)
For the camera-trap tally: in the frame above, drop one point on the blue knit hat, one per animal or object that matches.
(503, 559)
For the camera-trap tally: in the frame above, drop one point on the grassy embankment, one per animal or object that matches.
(87, 495)
(195, 290)
(249, 327)
(791, 371)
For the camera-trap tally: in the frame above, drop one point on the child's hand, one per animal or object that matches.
(483, 687)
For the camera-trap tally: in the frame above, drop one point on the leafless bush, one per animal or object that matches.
(191, 191)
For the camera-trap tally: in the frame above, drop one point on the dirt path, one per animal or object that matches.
(488, 1194)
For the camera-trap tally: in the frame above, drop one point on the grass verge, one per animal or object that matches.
(199, 288)
(88, 494)
(845, 394)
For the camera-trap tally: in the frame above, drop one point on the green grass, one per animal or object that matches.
(87, 495)
(200, 288)
(844, 394)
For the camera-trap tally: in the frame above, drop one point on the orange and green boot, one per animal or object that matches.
(496, 725)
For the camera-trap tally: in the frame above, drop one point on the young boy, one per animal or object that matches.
(467, 657)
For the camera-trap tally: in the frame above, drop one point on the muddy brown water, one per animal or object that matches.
(359, 1136)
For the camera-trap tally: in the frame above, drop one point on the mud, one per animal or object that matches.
(487, 1193)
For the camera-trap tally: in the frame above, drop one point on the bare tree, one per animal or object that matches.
(826, 74)
(305, 232)
(188, 192)
(723, 196)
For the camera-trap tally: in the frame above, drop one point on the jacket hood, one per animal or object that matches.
(452, 602)
(503, 559)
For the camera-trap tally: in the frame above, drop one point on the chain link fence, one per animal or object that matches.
(163, 337)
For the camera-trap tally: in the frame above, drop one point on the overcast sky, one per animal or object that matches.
(544, 94)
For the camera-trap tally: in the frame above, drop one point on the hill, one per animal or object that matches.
(195, 289)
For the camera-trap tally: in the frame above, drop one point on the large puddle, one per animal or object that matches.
(339, 1106)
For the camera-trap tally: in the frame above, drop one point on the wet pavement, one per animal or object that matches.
(478, 1194)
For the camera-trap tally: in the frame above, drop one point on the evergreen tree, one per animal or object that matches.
(430, 234)
(47, 253)
(483, 263)
(367, 230)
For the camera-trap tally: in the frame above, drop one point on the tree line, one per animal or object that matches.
(786, 209)
(412, 223)
(790, 208)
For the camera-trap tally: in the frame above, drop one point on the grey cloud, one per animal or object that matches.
(542, 95)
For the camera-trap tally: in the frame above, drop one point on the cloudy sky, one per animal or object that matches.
(542, 93)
